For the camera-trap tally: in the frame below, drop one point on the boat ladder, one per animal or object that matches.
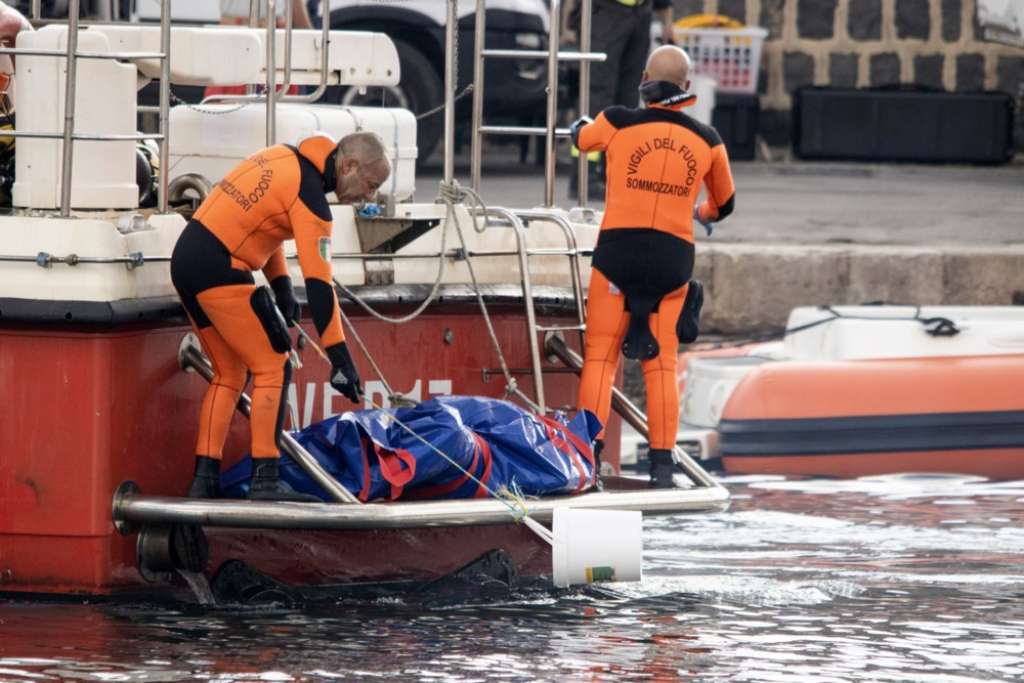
(553, 56)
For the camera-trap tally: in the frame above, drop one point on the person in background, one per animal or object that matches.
(621, 29)
(12, 22)
(658, 157)
(313, 8)
(236, 13)
(278, 193)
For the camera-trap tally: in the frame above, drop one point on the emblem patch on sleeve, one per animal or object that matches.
(325, 248)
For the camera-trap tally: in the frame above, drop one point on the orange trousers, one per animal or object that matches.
(607, 322)
(237, 344)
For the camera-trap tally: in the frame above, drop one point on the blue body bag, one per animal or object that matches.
(501, 444)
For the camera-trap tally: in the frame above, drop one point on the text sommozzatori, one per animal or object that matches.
(648, 185)
(246, 200)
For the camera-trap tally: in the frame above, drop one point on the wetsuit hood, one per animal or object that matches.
(331, 171)
(665, 94)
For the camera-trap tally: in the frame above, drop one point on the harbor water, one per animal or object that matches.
(896, 578)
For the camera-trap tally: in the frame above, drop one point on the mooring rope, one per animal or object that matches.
(451, 194)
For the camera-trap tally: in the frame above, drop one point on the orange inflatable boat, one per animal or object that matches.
(871, 390)
(857, 418)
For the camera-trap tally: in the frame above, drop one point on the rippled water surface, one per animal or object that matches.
(880, 579)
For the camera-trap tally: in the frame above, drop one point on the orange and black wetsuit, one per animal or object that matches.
(277, 194)
(657, 159)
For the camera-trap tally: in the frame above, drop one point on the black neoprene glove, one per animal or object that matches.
(344, 376)
(577, 126)
(284, 295)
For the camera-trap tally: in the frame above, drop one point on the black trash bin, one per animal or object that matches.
(735, 118)
(906, 124)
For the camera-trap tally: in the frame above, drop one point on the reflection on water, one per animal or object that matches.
(880, 579)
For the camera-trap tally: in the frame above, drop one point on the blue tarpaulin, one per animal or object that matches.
(500, 443)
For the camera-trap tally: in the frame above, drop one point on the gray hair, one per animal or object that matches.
(365, 147)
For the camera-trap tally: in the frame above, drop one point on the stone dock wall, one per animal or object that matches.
(752, 287)
(868, 43)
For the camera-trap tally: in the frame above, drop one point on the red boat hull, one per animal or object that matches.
(89, 408)
(331, 558)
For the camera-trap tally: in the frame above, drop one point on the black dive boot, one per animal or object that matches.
(206, 482)
(266, 485)
(662, 468)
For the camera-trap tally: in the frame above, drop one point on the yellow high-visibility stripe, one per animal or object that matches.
(592, 157)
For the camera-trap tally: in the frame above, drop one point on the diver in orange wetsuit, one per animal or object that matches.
(657, 158)
(277, 194)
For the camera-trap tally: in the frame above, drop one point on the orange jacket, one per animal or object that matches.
(277, 194)
(656, 160)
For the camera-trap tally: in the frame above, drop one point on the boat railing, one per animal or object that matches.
(68, 135)
(72, 54)
(516, 220)
(523, 258)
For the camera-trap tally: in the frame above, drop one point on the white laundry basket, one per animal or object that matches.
(732, 56)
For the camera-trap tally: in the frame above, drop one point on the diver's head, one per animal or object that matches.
(666, 78)
(360, 167)
(669, 63)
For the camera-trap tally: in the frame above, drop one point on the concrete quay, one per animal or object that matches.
(752, 287)
(811, 233)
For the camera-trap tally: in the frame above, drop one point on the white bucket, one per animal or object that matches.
(596, 545)
(704, 88)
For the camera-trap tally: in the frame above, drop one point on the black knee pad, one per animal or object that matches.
(639, 343)
(273, 322)
(688, 326)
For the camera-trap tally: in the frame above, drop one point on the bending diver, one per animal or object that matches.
(278, 193)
